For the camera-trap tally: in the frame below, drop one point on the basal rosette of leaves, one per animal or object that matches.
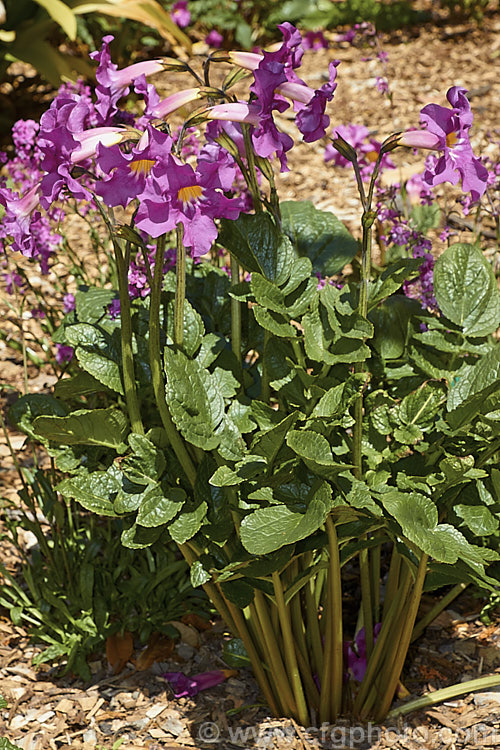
(284, 436)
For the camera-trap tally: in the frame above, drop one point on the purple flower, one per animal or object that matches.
(19, 216)
(451, 128)
(13, 281)
(68, 303)
(126, 174)
(180, 13)
(355, 653)
(311, 119)
(184, 686)
(382, 85)
(64, 354)
(179, 194)
(112, 83)
(314, 40)
(214, 39)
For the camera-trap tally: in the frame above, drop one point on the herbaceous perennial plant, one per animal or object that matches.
(283, 432)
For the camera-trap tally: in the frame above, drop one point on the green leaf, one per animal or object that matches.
(466, 290)
(391, 325)
(478, 519)
(235, 655)
(270, 442)
(310, 445)
(6, 744)
(238, 592)
(267, 294)
(393, 279)
(318, 235)
(199, 575)
(138, 537)
(195, 403)
(146, 463)
(95, 491)
(106, 427)
(274, 323)
(26, 409)
(159, 506)
(256, 242)
(91, 304)
(475, 383)
(419, 407)
(81, 384)
(188, 523)
(425, 217)
(269, 529)
(96, 354)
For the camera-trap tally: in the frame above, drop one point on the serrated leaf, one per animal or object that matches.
(269, 529)
(466, 290)
(270, 442)
(419, 407)
(95, 491)
(91, 304)
(393, 279)
(96, 354)
(478, 519)
(390, 320)
(267, 294)
(188, 523)
(256, 242)
(146, 463)
(106, 427)
(196, 405)
(159, 506)
(425, 216)
(310, 445)
(318, 235)
(139, 537)
(26, 409)
(198, 574)
(274, 323)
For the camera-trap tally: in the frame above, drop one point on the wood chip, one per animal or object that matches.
(95, 708)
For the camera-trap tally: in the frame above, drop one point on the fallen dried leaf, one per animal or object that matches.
(119, 649)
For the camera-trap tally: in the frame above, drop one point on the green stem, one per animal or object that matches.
(392, 585)
(437, 609)
(388, 630)
(313, 632)
(235, 313)
(155, 362)
(265, 390)
(253, 185)
(129, 384)
(453, 691)
(366, 599)
(290, 655)
(254, 657)
(180, 288)
(375, 582)
(390, 678)
(275, 661)
(335, 586)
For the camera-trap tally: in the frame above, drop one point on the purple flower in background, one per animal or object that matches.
(355, 653)
(19, 216)
(64, 354)
(13, 281)
(214, 39)
(382, 85)
(180, 14)
(184, 686)
(68, 303)
(314, 40)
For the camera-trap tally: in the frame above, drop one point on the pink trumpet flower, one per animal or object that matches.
(183, 686)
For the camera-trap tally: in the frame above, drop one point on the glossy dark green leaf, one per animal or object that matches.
(269, 529)
(26, 409)
(466, 289)
(257, 243)
(146, 462)
(159, 505)
(95, 491)
(318, 235)
(195, 403)
(106, 427)
(188, 523)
